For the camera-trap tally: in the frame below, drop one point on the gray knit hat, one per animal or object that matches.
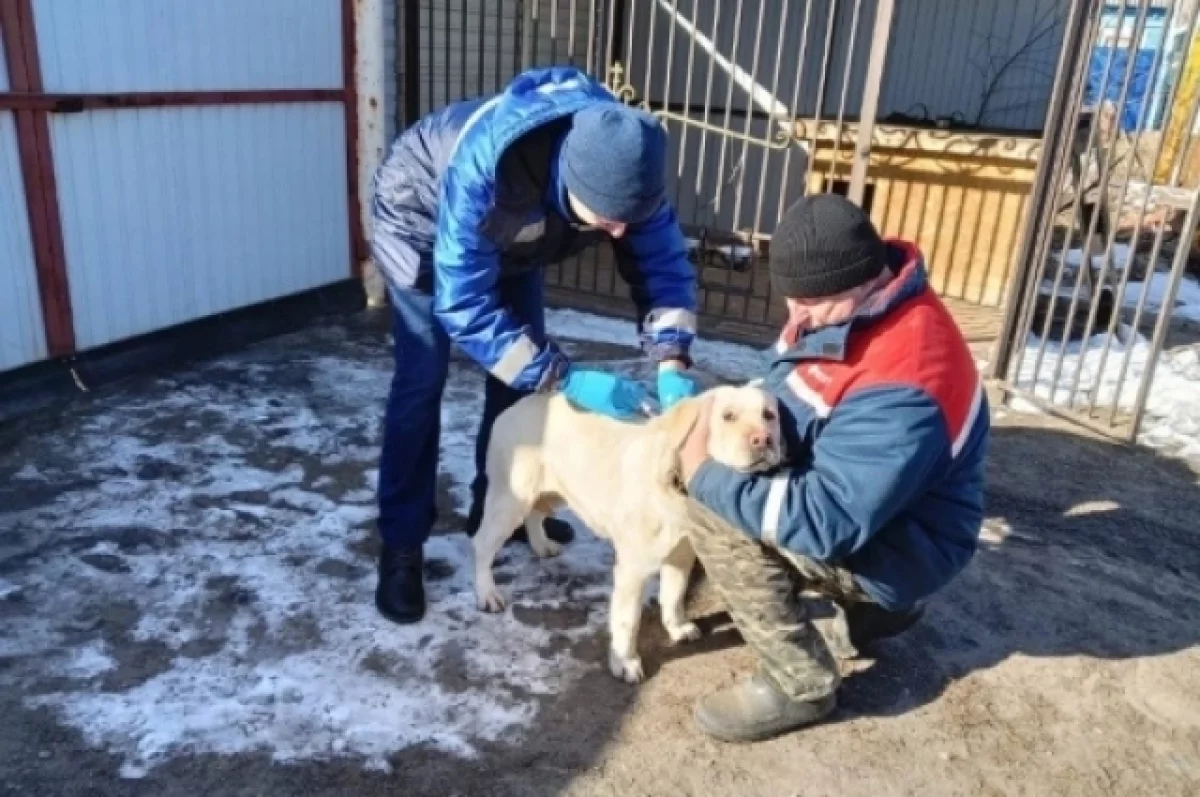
(614, 161)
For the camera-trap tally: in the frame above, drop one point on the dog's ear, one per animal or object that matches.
(677, 423)
(673, 428)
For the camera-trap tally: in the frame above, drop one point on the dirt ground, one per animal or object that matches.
(176, 534)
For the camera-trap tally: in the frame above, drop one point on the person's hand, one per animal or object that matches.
(674, 386)
(607, 394)
(694, 451)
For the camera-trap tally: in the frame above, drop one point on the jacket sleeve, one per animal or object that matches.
(654, 261)
(878, 451)
(466, 269)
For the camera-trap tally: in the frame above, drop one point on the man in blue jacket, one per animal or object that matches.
(886, 425)
(469, 206)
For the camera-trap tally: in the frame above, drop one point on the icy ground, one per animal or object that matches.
(219, 523)
(185, 566)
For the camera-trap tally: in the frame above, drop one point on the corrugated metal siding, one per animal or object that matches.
(474, 47)
(939, 54)
(391, 63)
(456, 60)
(942, 54)
(152, 45)
(3, 69)
(22, 335)
(178, 213)
(945, 53)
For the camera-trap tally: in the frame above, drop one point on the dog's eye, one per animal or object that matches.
(769, 415)
(729, 416)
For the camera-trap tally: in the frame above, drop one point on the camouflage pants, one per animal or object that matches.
(761, 588)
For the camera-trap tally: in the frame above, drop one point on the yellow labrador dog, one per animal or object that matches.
(621, 479)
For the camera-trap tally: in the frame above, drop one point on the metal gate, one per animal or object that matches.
(753, 94)
(1112, 221)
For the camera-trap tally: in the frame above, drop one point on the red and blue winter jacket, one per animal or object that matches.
(470, 195)
(886, 423)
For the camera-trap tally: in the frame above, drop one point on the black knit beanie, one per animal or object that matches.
(823, 245)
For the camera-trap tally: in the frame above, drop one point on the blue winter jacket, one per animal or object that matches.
(471, 194)
(886, 423)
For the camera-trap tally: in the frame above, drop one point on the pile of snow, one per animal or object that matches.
(1172, 418)
(1113, 378)
(1187, 299)
(229, 541)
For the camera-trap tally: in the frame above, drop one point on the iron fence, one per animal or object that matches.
(1113, 220)
(747, 90)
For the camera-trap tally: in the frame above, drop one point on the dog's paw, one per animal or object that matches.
(683, 632)
(489, 599)
(545, 549)
(628, 670)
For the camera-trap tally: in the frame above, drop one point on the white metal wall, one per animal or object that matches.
(178, 45)
(22, 336)
(173, 214)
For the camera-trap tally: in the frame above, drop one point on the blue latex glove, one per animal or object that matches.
(607, 394)
(674, 386)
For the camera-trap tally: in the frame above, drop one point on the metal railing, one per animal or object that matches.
(1112, 221)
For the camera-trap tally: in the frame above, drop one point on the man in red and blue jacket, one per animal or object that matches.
(886, 424)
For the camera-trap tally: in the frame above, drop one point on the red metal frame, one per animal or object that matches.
(72, 103)
(31, 107)
(358, 244)
(37, 170)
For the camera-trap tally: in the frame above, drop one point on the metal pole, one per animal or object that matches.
(408, 18)
(756, 230)
(1041, 202)
(793, 112)
(847, 70)
(870, 102)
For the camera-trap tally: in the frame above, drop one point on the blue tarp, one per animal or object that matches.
(1138, 84)
(1115, 39)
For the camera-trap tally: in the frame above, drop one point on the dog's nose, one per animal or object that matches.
(760, 440)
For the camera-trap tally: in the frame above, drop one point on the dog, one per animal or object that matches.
(622, 480)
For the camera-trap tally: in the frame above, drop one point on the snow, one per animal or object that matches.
(1172, 417)
(729, 361)
(1187, 299)
(245, 571)
(244, 563)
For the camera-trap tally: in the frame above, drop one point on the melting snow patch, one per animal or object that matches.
(236, 571)
(226, 555)
(1187, 298)
(727, 360)
(1113, 376)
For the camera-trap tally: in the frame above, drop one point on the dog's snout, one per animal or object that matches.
(760, 440)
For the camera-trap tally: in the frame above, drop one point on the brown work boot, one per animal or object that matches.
(756, 709)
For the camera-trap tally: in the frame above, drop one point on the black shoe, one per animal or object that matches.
(557, 530)
(400, 594)
(869, 622)
(755, 710)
